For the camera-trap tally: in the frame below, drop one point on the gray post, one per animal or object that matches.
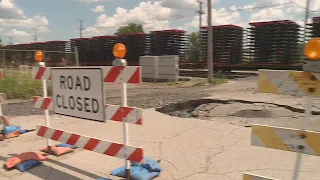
(77, 56)
(210, 50)
(4, 59)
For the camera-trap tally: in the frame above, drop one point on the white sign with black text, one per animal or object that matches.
(78, 92)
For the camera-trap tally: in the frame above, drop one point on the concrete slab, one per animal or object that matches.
(247, 90)
(189, 149)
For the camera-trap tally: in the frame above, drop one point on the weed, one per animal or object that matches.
(216, 81)
(20, 85)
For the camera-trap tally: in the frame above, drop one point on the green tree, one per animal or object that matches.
(194, 47)
(130, 28)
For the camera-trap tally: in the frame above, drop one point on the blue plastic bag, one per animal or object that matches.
(66, 145)
(151, 165)
(141, 173)
(26, 165)
(10, 129)
(23, 131)
(147, 170)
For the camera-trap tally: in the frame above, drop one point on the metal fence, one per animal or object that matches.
(13, 58)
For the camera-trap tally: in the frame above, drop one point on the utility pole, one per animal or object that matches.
(35, 34)
(210, 50)
(297, 165)
(81, 27)
(10, 40)
(306, 21)
(200, 12)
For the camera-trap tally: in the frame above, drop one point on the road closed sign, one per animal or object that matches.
(78, 92)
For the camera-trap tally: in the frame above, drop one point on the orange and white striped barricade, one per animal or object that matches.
(78, 92)
(121, 151)
(66, 94)
(41, 73)
(3, 100)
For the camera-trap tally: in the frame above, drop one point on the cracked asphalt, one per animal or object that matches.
(189, 148)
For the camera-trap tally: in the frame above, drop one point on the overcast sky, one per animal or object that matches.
(58, 19)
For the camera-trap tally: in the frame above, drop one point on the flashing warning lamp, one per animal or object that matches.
(38, 55)
(119, 50)
(312, 49)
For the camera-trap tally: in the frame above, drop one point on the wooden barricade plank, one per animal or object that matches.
(294, 140)
(248, 176)
(121, 151)
(289, 82)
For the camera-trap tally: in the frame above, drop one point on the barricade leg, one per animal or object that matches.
(125, 128)
(308, 110)
(46, 111)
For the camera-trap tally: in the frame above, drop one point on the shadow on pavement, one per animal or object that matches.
(49, 173)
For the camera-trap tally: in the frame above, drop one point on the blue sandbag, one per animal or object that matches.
(26, 165)
(147, 170)
(141, 173)
(66, 145)
(23, 131)
(10, 129)
(151, 165)
(120, 172)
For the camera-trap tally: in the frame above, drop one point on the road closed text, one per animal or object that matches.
(78, 92)
(79, 103)
(83, 83)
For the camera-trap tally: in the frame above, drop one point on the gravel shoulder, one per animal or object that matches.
(146, 95)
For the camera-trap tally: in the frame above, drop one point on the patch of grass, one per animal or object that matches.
(216, 81)
(172, 83)
(20, 85)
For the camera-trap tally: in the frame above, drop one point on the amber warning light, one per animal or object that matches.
(119, 50)
(312, 49)
(312, 52)
(38, 55)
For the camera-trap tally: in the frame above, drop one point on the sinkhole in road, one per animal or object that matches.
(207, 108)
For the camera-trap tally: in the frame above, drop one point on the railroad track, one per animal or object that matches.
(204, 73)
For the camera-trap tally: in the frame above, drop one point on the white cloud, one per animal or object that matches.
(92, 31)
(43, 30)
(180, 4)
(10, 10)
(36, 21)
(92, 1)
(289, 10)
(19, 36)
(221, 17)
(162, 14)
(152, 15)
(13, 16)
(268, 15)
(98, 9)
(17, 33)
(184, 5)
